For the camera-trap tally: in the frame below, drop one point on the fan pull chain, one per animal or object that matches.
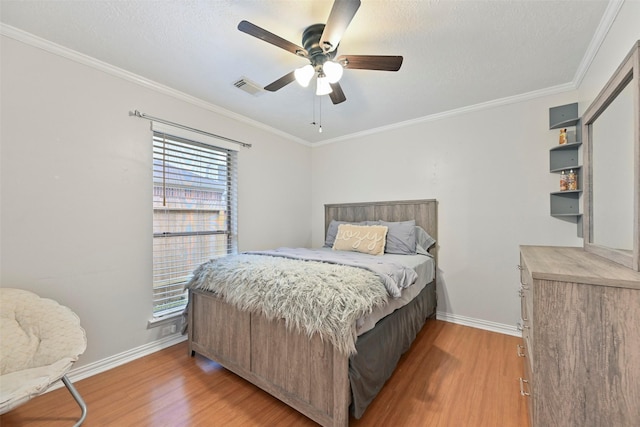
(319, 122)
(313, 103)
(320, 109)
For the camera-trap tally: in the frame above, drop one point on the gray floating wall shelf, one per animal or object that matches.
(566, 204)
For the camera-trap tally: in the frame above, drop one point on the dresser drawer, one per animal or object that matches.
(525, 275)
(525, 322)
(526, 309)
(525, 351)
(527, 390)
(525, 354)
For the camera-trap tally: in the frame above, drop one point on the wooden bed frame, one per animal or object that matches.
(307, 374)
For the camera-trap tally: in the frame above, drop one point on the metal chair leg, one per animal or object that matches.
(78, 398)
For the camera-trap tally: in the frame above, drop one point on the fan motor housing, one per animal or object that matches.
(311, 42)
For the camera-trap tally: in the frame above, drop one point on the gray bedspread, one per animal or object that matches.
(312, 297)
(394, 276)
(375, 354)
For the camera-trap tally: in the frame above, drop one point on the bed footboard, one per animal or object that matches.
(307, 374)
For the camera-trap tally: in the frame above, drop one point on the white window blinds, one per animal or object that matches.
(194, 213)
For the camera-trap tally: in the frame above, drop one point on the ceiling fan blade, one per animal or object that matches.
(281, 82)
(262, 34)
(340, 16)
(337, 95)
(371, 62)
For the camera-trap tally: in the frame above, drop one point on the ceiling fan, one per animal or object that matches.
(320, 43)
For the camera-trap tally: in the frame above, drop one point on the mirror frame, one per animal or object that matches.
(626, 74)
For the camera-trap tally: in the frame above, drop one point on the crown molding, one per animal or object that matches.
(609, 16)
(457, 112)
(56, 49)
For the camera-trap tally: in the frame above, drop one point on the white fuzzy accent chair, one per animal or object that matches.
(39, 342)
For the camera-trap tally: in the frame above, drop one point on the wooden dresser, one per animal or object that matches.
(581, 339)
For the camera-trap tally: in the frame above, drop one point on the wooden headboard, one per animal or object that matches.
(424, 212)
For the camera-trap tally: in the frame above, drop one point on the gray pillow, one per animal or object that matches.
(423, 240)
(401, 237)
(332, 232)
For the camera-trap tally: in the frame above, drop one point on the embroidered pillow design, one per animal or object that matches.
(368, 239)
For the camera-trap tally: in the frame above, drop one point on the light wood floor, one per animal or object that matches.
(452, 376)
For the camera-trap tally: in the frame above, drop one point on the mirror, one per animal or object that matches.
(612, 174)
(611, 128)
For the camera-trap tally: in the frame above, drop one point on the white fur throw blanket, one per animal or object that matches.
(314, 297)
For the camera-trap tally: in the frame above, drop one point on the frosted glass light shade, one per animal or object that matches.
(333, 71)
(323, 87)
(304, 75)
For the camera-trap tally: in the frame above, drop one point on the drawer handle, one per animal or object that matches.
(522, 392)
(520, 350)
(523, 285)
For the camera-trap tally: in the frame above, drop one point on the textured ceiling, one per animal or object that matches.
(456, 53)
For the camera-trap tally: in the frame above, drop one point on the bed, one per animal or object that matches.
(308, 373)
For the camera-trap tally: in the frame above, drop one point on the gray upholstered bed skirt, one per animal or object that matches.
(379, 350)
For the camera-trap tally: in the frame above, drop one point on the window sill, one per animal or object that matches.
(163, 320)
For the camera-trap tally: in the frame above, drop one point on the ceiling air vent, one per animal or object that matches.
(248, 86)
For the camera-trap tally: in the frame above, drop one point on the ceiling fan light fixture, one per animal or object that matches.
(323, 87)
(304, 74)
(333, 71)
(319, 46)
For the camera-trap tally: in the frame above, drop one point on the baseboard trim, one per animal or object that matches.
(479, 323)
(111, 362)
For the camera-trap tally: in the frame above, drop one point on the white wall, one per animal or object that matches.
(76, 190)
(75, 187)
(489, 171)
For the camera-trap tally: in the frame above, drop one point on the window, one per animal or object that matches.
(194, 213)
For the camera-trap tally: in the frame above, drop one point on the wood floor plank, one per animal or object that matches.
(452, 376)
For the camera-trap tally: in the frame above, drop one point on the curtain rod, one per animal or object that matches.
(178, 125)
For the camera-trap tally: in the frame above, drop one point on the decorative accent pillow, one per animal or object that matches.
(401, 237)
(368, 239)
(332, 230)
